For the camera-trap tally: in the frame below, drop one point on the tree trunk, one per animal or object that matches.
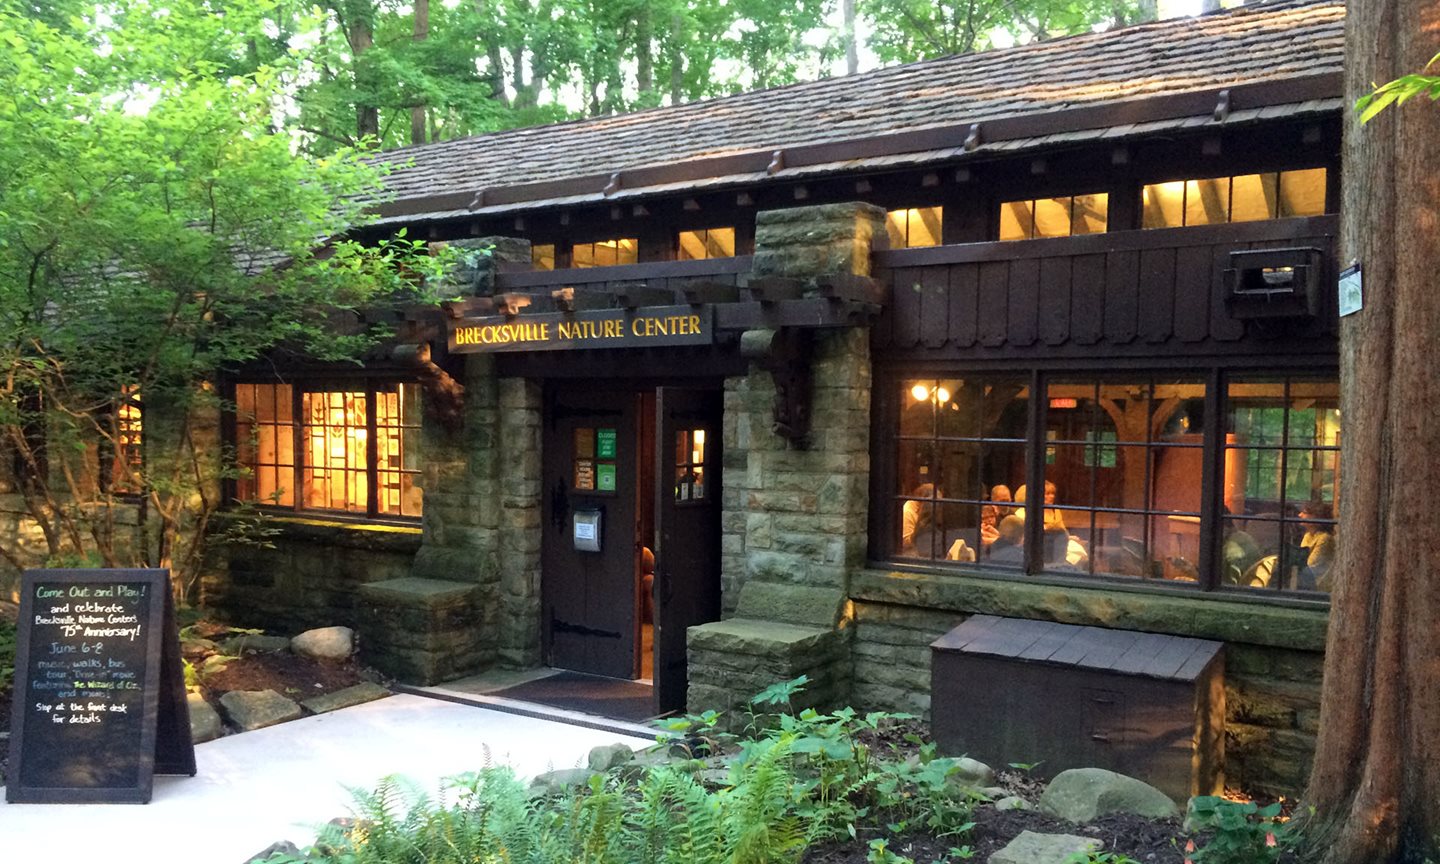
(1375, 785)
(677, 59)
(420, 32)
(645, 57)
(852, 55)
(359, 25)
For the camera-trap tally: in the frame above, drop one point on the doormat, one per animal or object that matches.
(591, 694)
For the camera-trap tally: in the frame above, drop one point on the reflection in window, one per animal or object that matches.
(1054, 217)
(339, 469)
(913, 227)
(1122, 476)
(605, 253)
(1281, 473)
(265, 443)
(706, 243)
(127, 448)
(542, 256)
(690, 465)
(960, 452)
(1242, 198)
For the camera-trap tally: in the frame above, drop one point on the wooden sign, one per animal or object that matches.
(595, 328)
(99, 701)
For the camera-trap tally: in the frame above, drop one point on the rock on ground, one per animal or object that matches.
(358, 694)
(284, 847)
(559, 781)
(325, 643)
(255, 709)
(205, 723)
(1013, 802)
(608, 756)
(1032, 848)
(245, 643)
(1081, 794)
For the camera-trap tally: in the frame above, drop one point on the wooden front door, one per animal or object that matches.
(687, 529)
(589, 615)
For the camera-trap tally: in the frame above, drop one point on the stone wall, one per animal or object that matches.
(311, 575)
(1273, 655)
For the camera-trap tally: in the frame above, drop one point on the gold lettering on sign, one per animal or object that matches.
(559, 332)
(503, 334)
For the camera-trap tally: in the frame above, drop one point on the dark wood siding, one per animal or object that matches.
(1156, 293)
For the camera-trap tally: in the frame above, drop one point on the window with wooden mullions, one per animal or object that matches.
(1067, 216)
(705, 243)
(605, 253)
(914, 227)
(1103, 476)
(358, 448)
(1241, 198)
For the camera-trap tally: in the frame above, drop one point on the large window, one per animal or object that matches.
(358, 448)
(1242, 198)
(1104, 475)
(127, 459)
(961, 454)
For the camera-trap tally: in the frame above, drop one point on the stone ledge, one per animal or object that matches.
(760, 638)
(429, 594)
(352, 535)
(1101, 606)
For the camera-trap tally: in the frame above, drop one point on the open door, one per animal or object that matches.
(687, 529)
(589, 621)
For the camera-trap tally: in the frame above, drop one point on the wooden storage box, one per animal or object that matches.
(1146, 705)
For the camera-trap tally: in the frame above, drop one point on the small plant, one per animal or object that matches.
(1097, 857)
(880, 854)
(1244, 833)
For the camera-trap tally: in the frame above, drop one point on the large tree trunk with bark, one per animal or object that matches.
(420, 32)
(1375, 785)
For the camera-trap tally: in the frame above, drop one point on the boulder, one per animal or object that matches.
(205, 723)
(248, 710)
(1012, 802)
(359, 694)
(559, 781)
(608, 756)
(1082, 794)
(325, 643)
(1032, 848)
(994, 793)
(246, 644)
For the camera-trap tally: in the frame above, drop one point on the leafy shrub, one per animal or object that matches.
(1244, 833)
(7, 655)
(796, 780)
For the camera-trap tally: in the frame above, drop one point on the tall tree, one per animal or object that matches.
(906, 30)
(147, 197)
(1375, 786)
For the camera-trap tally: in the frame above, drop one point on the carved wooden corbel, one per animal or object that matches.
(444, 396)
(786, 355)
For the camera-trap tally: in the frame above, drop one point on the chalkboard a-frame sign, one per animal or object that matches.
(99, 692)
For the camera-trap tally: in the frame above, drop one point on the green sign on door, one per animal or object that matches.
(604, 443)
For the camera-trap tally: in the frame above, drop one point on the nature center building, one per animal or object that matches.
(797, 381)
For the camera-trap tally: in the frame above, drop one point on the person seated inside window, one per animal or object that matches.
(992, 513)
(915, 515)
(1053, 518)
(1239, 552)
(1317, 546)
(1007, 548)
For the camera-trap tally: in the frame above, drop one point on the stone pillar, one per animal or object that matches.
(473, 596)
(794, 520)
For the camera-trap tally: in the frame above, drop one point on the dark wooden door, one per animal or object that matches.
(589, 597)
(687, 529)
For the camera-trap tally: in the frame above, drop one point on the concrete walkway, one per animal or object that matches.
(281, 783)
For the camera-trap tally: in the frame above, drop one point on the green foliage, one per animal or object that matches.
(805, 779)
(1097, 857)
(1243, 832)
(907, 30)
(1398, 92)
(7, 656)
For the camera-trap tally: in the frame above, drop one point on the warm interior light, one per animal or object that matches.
(942, 395)
(920, 392)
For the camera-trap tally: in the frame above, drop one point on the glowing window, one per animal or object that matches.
(706, 243)
(542, 256)
(1242, 198)
(127, 452)
(605, 253)
(1054, 217)
(914, 227)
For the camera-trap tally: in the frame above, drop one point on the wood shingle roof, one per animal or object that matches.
(1072, 80)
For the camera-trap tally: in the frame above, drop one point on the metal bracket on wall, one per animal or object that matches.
(786, 355)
